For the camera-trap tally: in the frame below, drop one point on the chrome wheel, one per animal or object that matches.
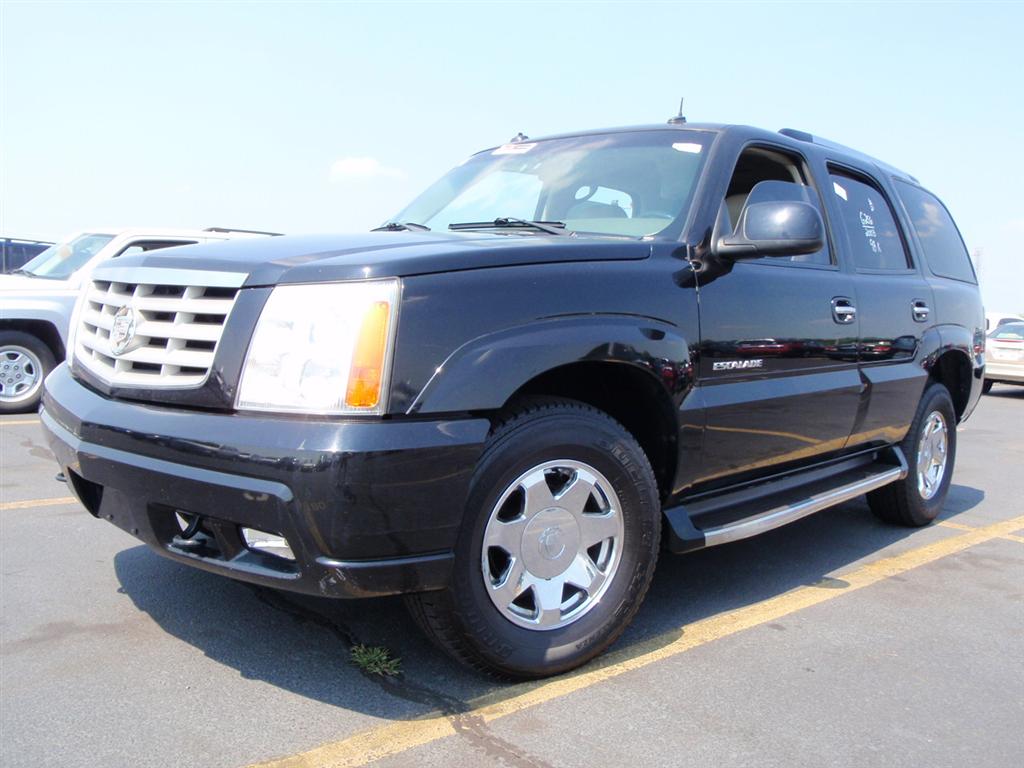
(552, 544)
(931, 455)
(21, 374)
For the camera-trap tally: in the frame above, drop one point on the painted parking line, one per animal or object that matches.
(30, 503)
(398, 737)
(962, 527)
(955, 526)
(18, 422)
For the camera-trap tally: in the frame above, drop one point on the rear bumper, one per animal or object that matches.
(1008, 372)
(368, 508)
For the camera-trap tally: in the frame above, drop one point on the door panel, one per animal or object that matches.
(778, 372)
(894, 304)
(890, 341)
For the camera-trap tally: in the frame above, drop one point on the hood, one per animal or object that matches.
(325, 258)
(22, 284)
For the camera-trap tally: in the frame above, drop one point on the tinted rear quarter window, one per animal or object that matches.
(871, 229)
(944, 249)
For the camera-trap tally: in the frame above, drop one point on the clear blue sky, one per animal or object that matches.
(329, 116)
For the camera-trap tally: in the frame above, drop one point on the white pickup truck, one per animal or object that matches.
(36, 301)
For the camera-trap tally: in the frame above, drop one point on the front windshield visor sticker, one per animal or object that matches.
(687, 146)
(513, 149)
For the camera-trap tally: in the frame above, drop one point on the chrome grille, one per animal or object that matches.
(177, 318)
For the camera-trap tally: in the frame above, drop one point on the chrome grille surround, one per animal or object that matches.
(178, 320)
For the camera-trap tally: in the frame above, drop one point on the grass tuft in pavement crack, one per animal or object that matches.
(375, 660)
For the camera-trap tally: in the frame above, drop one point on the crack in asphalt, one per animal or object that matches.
(469, 726)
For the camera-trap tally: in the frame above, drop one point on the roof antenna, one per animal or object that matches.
(518, 138)
(678, 119)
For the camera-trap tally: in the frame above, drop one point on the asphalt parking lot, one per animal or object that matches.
(836, 641)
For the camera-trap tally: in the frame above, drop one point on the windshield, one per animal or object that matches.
(63, 259)
(631, 184)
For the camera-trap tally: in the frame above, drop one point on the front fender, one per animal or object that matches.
(485, 372)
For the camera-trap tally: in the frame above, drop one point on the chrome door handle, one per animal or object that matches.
(843, 311)
(920, 309)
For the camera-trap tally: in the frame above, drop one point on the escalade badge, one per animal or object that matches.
(122, 332)
(735, 365)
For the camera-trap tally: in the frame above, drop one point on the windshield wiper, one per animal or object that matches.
(398, 226)
(20, 271)
(502, 222)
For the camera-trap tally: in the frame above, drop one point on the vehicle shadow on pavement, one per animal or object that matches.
(301, 644)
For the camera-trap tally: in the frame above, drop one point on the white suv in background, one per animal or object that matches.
(36, 300)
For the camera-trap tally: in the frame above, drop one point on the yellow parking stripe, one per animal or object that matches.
(18, 422)
(962, 527)
(398, 737)
(955, 526)
(29, 503)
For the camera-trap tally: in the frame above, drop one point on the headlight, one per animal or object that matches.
(322, 349)
(76, 319)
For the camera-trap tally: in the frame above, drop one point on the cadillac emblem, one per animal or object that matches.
(122, 332)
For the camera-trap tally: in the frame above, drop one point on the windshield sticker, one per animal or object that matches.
(513, 149)
(839, 190)
(687, 146)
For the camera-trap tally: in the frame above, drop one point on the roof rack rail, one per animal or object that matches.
(243, 231)
(24, 240)
(810, 138)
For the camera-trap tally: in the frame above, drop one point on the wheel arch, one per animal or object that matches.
(953, 365)
(634, 369)
(44, 330)
(953, 371)
(630, 395)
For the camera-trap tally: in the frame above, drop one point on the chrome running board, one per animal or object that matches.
(746, 512)
(787, 513)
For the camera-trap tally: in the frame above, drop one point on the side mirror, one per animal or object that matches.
(776, 228)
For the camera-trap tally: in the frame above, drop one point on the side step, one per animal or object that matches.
(733, 515)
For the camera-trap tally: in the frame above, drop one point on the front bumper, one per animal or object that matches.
(367, 507)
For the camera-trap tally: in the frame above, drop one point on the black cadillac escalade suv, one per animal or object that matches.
(564, 355)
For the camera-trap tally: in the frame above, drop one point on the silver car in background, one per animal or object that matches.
(1004, 355)
(36, 300)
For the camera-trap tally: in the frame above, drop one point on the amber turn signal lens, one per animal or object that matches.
(367, 371)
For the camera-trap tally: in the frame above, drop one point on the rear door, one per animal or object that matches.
(893, 301)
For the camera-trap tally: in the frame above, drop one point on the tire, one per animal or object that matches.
(543, 632)
(914, 501)
(987, 386)
(24, 362)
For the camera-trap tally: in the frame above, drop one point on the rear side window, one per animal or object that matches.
(871, 229)
(943, 247)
